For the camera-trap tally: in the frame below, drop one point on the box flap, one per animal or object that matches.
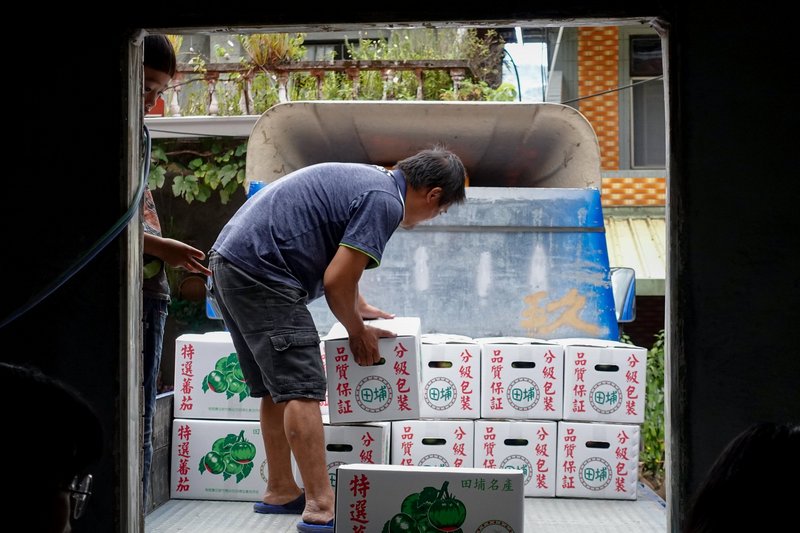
(402, 326)
(602, 343)
(511, 340)
(446, 338)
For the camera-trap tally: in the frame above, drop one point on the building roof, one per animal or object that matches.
(636, 238)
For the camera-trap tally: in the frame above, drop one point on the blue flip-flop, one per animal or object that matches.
(305, 527)
(293, 507)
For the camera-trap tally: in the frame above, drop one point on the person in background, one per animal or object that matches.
(750, 486)
(311, 233)
(159, 68)
(51, 437)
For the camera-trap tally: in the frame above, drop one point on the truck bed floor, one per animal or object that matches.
(647, 514)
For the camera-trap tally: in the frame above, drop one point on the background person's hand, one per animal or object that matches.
(178, 254)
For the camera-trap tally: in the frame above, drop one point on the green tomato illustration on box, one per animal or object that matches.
(227, 377)
(230, 456)
(429, 511)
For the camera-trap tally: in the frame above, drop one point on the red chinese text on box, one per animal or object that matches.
(496, 386)
(187, 377)
(183, 467)
(359, 486)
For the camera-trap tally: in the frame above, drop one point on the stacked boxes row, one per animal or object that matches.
(564, 412)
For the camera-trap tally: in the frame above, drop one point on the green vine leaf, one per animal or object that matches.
(157, 176)
(158, 154)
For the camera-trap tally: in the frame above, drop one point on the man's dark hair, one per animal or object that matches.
(159, 54)
(436, 167)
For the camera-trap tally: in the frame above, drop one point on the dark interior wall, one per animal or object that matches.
(733, 228)
(733, 285)
(62, 190)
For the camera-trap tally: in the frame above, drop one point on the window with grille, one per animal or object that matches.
(648, 140)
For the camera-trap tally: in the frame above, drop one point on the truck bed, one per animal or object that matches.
(647, 514)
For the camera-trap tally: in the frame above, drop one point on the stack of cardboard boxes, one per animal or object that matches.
(427, 388)
(516, 416)
(565, 412)
(217, 449)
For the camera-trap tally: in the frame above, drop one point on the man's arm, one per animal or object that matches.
(341, 291)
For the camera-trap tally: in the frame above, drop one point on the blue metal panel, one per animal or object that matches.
(509, 261)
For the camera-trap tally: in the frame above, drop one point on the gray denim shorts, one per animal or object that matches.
(273, 332)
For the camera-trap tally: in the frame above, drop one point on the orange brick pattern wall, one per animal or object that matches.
(598, 71)
(633, 191)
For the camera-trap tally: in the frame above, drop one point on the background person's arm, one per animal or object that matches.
(176, 254)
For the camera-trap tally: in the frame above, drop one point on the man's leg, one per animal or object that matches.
(305, 434)
(281, 485)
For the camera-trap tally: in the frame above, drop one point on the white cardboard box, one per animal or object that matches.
(324, 405)
(526, 445)
(439, 443)
(453, 499)
(217, 460)
(208, 379)
(383, 392)
(366, 443)
(598, 460)
(521, 378)
(604, 381)
(450, 377)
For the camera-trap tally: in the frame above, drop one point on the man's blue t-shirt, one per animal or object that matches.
(290, 230)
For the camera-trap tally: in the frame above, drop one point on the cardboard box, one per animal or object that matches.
(452, 499)
(450, 377)
(323, 406)
(447, 443)
(388, 391)
(217, 460)
(208, 379)
(526, 445)
(367, 443)
(604, 381)
(597, 460)
(521, 378)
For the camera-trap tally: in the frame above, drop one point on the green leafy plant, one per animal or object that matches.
(652, 454)
(191, 316)
(481, 91)
(198, 168)
(269, 49)
(419, 44)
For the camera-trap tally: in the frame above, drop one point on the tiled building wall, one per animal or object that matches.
(598, 71)
(634, 191)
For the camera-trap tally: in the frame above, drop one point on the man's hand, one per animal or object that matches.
(364, 345)
(368, 311)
